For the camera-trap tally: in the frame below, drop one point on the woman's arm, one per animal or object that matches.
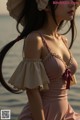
(35, 104)
(32, 50)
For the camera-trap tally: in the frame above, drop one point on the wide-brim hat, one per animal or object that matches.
(15, 7)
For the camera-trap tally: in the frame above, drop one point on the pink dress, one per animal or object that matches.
(59, 76)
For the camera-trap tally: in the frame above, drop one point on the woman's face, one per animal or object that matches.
(65, 10)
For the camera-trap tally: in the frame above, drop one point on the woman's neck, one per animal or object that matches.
(50, 28)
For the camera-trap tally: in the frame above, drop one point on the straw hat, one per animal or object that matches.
(15, 7)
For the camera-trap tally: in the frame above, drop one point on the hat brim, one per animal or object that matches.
(15, 8)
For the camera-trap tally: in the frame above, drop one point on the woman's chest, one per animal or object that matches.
(57, 48)
(57, 59)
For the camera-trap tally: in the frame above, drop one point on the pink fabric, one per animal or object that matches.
(55, 101)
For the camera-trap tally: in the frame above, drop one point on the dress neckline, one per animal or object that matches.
(54, 54)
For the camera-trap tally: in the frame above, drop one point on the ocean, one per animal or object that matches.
(14, 102)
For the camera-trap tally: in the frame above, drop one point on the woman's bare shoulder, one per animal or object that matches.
(33, 38)
(64, 38)
(33, 45)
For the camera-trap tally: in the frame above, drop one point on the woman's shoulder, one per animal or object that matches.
(33, 45)
(34, 35)
(33, 38)
(65, 40)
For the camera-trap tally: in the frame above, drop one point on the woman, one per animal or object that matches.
(48, 67)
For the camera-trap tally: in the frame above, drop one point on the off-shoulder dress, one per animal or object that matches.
(53, 77)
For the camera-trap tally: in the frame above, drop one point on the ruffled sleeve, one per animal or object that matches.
(30, 74)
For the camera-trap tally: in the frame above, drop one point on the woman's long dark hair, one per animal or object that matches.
(33, 20)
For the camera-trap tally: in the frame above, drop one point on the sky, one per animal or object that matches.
(3, 9)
